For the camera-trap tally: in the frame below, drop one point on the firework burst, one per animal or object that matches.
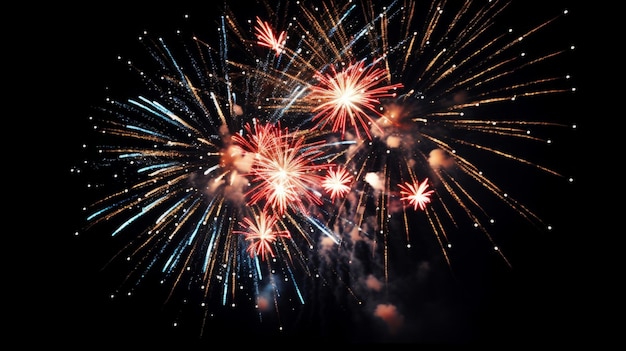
(285, 170)
(416, 194)
(337, 183)
(267, 38)
(348, 98)
(261, 234)
(254, 157)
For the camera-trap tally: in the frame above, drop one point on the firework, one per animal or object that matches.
(266, 37)
(261, 234)
(348, 98)
(337, 183)
(416, 194)
(283, 169)
(270, 154)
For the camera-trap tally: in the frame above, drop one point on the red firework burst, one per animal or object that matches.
(337, 182)
(265, 35)
(260, 234)
(259, 139)
(284, 171)
(349, 97)
(416, 194)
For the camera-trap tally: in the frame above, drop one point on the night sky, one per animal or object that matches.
(478, 301)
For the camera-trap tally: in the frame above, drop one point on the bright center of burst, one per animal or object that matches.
(282, 174)
(279, 189)
(348, 97)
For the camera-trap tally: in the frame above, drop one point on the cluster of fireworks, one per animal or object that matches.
(257, 155)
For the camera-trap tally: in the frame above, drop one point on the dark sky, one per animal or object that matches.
(537, 302)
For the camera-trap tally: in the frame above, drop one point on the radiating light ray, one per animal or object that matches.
(323, 229)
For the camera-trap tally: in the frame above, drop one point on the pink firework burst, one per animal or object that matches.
(416, 194)
(337, 182)
(260, 234)
(284, 171)
(349, 97)
(265, 35)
